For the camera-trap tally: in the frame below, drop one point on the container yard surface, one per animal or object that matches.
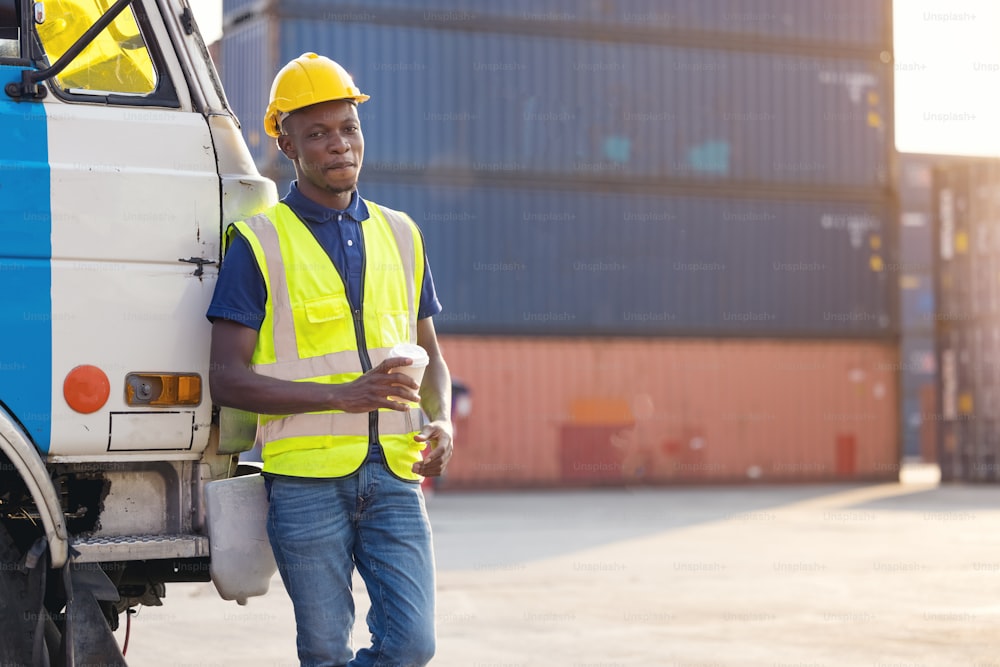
(884, 574)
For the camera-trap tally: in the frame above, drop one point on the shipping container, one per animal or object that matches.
(916, 203)
(918, 313)
(918, 387)
(917, 303)
(967, 208)
(915, 188)
(249, 63)
(525, 107)
(523, 261)
(970, 402)
(807, 24)
(919, 281)
(967, 252)
(563, 412)
(233, 10)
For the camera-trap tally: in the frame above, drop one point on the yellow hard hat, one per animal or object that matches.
(307, 80)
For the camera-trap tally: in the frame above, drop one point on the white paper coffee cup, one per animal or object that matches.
(419, 357)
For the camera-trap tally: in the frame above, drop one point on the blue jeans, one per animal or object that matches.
(320, 530)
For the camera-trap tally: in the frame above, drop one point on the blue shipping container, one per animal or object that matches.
(917, 302)
(842, 22)
(232, 9)
(918, 377)
(247, 68)
(915, 241)
(527, 105)
(526, 261)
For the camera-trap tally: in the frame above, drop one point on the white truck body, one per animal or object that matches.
(118, 174)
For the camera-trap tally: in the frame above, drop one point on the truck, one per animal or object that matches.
(120, 166)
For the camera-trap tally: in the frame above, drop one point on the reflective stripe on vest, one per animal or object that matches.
(308, 334)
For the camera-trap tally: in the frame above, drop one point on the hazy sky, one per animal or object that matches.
(948, 76)
(947, 73)
(208, 13)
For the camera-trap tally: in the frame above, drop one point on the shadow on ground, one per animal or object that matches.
(479, 530)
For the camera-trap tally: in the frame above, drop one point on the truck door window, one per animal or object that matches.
(9, 29)
(117, 61)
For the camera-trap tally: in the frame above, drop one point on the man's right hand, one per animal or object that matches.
(235, 385)
(372, 390)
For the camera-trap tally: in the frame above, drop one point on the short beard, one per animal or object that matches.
(334, 190)
(300, 174)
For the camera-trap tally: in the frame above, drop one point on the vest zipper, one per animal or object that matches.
(357, 314)
(359, 333)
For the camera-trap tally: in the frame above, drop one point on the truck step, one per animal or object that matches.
(139, 547)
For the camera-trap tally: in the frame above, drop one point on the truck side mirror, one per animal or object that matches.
(10, 21)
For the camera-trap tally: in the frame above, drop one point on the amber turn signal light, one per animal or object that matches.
(162, 389)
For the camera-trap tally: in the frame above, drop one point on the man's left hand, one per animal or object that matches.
(438, 434)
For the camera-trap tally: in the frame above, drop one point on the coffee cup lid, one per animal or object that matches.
(411, 350)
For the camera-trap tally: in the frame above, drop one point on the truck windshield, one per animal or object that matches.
(117, 61)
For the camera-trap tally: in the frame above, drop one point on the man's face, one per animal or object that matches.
(325, 142)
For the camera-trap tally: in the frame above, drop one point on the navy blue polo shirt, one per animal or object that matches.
(241, 295)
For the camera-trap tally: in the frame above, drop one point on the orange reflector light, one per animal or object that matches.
(86, 389)
(162, 389)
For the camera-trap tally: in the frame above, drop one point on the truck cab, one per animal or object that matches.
(120, 166)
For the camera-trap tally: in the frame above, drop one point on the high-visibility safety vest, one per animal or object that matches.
(310, 334)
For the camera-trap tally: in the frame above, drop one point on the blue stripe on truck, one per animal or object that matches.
(25, 265)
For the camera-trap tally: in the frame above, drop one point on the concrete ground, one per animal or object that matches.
(820, 575)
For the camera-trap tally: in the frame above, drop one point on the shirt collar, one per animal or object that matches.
(314, 212)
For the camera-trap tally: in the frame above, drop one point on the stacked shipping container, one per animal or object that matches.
(967, 252)
(588, 172)
(919, 318)
(916, 282)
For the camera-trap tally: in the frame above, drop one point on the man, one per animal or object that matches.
(311, 297)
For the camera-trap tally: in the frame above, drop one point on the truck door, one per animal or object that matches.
(109, 221)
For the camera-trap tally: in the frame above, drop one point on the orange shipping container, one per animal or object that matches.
(569, 412)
